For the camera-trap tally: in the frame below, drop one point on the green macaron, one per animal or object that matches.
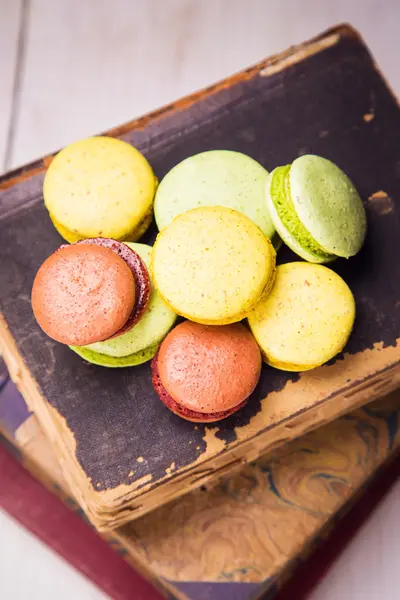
(316, 209)
(140, 343)
(215, 178)
(103, 360)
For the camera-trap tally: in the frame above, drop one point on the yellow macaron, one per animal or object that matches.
(212, 265)
(100, 187)
(306, 319)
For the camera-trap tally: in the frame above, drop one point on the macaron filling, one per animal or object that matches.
(72, 236)
(183, 411)
(140, 276)
(280, 196)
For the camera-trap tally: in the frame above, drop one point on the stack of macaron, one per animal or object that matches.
(97, 297)
(221, 218)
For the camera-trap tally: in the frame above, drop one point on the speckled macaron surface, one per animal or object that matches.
(82, 294)
(209, 369)
(316, 209)
(99, 187)
(215, 178)
(148, 332)
(212, 264)
(306, 319)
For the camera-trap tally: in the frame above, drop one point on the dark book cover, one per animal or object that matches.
(325, 97)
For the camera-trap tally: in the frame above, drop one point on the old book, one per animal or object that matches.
(122, 453)
(243, 536)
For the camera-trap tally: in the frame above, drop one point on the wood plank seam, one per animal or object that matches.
(18, 75)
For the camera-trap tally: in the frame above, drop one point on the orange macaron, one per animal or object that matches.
(90, 292)
(205, 373)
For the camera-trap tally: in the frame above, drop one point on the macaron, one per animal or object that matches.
(316, 209)
(204, 373)
(90, 291)
(100, 186)
(306, 319)
(141, 342)
(215, 178)
(212, 265)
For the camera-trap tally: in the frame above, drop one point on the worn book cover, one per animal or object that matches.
(325, 97)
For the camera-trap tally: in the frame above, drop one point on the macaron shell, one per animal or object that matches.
(152, 327)
(99, 187)
(132, 236)
(328, 205)
(69, 236)
(212, 265)
(207, 418)
(296, 242)
(182, 411)
(140, 275)
(307, 318)
(215, 178)
(141, 227)
(209, 369)
(102, 360)
(82, 294)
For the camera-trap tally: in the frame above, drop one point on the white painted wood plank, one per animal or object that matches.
(9, 28)
(29, 569)
(94, 64)
(368, 569)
